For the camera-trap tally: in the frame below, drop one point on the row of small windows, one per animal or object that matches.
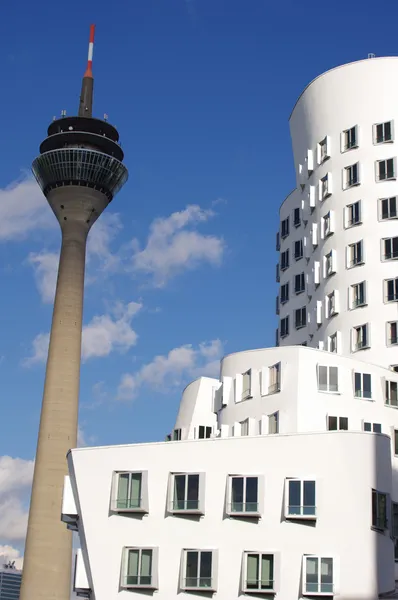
(260, 571)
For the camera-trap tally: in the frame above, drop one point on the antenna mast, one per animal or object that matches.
(86, 96)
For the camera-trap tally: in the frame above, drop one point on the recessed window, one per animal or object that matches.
(244, 427)
(390, 248)
(394, 368)
(204, 432)
(297, 217)
(358, 294)
(177, 434)
(383, 132)
(285, 228)
(300, 498)
(363, 385)
(360, 337)
(285, 260)
(337, 423)
(350, 139)
(274, 378)
(323, 150)
(392, 333)
(300, 317)
(298, 249)
(355, 254)
(332, 343)
(198, 570)
(299, 283)
(391, 290)
(351, 176)
(285, 327)
(243, 495)
(385, 169)
(131, 491)
(330, 263)
(258, 572)
(285, 293)
(375, 427)
(139, 568)
(325, 186)
(328, 379)
(331, 304)
(319, 578)
(379, 510)
(273, 423)
(388, 208)
(353, 214)
(391, 393)
(246, 384)
(328, 228)
(186, 493)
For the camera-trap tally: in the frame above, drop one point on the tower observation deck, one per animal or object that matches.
(79, 170)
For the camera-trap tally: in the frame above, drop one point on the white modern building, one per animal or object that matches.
(279, 479)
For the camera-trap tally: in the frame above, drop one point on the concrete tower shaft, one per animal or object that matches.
(80, 171)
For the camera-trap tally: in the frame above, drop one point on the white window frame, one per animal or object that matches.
(333, 342)
(332, 304)
(142, 506)
(382, 124)
(259, 509)
(296, 223)
(285, 228)
(390, 217)
(348, 222)
(372, 427)
(284, 297)
(275, 570)
(394, 255)
(299, 290)
(325, 187)
(389, 384)
(381, 524)
(328, 589)
(302, 311)
(273, 419)
(285, 320)
(274, 379)
(246, 385)
(355, 347)
(346, 146)
(285, 260)
(387, 300)
(307, 513)
(323, 150)
(361, 388)
(300, 255)
(389, 175)
(328, 377)
(328, 224)
(392, 340)
(329, 263)
(352, 304)
(349, 178)
(338, 423)
(214, 570)
(200, 506)
(352, 251)
(154, 581)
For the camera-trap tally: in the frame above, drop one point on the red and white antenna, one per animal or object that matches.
(89, 70)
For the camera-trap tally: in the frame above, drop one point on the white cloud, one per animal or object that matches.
(103, 335)
(10, 554)
(165, 372)
(45, 265)
(15, 480)
(23, 208)
(171, 247)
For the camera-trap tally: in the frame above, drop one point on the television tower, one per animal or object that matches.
(79, 170)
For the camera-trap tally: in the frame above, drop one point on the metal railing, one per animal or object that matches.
(275, 387)
(243, 507)
(259, 584)
(304, 511)
(137, 580)
(128, 503)
(319, 588)
(185, 504)
(198, 582)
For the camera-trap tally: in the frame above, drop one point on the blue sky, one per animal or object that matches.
(181, 266)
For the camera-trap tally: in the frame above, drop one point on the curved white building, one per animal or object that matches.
(339, 231)
(279, 479)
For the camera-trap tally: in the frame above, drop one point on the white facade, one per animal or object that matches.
(344, 128)
(279, 478)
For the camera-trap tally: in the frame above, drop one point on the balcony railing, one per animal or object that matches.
(137, 581)
(198, 582)
(303, 511)
(244, 507)
(186, 505)
(259, 584)
(128, 503)
(319, 588)
(274, 387)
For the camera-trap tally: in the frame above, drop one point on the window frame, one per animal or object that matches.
(388, 394)
(351, 176)
(354, 306)
(361, 387)
(325, 190)
(143, 507)
(255, 514)
(388, 200)
(285, 260)
(214, 570)
(301, 322)
(284, 320)
(296, 222)
(376, 141)
(298, 255)
(389, 175)
(330, 591)
(389, 337)
(341, 423)
(285, 228)
(300, 290)
(348, 223)
(200, 509)
(346, 146)
(303, 514)
(352, 250)
(154, 583)
(275, 571)
(328, 377)
(394, 281)
(246, 393)
(380, 523)
(355, 347)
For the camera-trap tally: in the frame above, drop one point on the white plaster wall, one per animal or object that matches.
(343, 526)
(362, 94)
(196, 407)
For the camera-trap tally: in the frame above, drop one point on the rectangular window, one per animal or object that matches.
(379, 510)
(243, 494)
(363, 385)
(324, 187)
(358, 294)
(185, 492)
(285, 260)
(299, 283)
(138, 571)
(332, 343)
(385, 169)
(323, 151)
(259, 572)
(327, 226)
(390, 246)
(355, 254)
(388, 208)
(284, 293)
(298, 249)
(318, 575)
(301, 498)
(246, 384)
(273, 423)
(129, 491)
(328, 379)
(285, 327)
(392, 333)
(331, 308)
(337, 423)
(360, 337)
(285, 228)
(274, 378)
(296, 217)
(375, 427)
(353, 214)
(351, 176)
(300, 317)
(391, 290)
(204, 432)
(198, 570)
(383, 132)
(177, 434)
(329, 265)
(350, 138)
(391, 393)
(244, 427)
